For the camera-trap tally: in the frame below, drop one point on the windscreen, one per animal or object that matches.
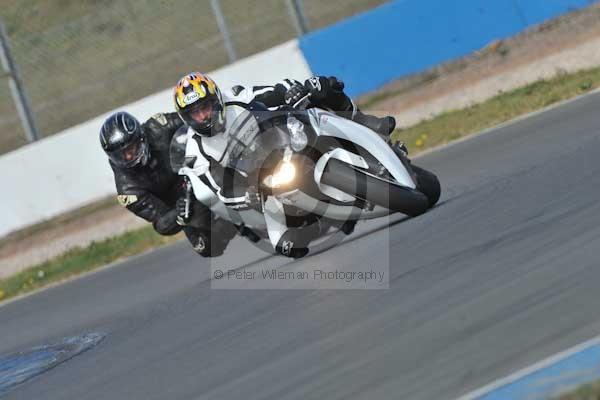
(177, 150)
(253, 140)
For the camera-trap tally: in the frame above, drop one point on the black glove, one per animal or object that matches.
(321, 88)
(184, 211)
(295, 94)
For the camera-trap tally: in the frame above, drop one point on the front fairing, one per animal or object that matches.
(360, 140)
(253, 140)
(177, 150)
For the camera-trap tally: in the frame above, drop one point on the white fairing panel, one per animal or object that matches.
(329, 124)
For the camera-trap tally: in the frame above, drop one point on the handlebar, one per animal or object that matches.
(188, 196)
(303, 103)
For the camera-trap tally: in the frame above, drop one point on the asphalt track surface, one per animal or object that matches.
(502, 274)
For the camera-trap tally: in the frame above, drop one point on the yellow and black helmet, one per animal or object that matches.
(199, 103)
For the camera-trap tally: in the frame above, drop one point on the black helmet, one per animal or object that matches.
(199, 103)
(123, 140)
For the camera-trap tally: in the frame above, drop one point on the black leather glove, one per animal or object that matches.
(322, 88)
(184, 211)
(295, 94)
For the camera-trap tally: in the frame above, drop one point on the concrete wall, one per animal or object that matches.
(407, 36)
(69, 169)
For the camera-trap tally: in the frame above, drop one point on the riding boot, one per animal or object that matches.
(330, 95)
(399, 148)
(383, 126)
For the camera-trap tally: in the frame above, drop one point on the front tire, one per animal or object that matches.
(381, 192)
(428, 184)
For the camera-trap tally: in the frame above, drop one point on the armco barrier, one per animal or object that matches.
(69, 169)
(408, 36)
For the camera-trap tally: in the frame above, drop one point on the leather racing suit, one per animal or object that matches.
(291, 242)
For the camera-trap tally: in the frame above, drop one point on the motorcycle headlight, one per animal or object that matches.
(298, 137)
(283, 174)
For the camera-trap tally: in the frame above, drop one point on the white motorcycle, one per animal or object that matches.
(304, 164)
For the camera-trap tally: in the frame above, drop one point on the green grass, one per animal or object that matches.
(590, 391)
(79, 260)
(60, 221)
(436, 131)
(455, 124)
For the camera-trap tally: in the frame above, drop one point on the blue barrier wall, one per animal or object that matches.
(408, 36)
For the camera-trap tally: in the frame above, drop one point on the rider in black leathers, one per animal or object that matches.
(150, 189)
(146, 185)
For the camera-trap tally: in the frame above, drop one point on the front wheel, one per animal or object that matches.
(379, 191)
(428, 184)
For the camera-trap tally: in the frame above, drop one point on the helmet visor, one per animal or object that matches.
(202, 116)
(129, 155)
(202, 113)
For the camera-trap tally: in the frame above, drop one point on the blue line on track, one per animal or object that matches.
(552, 380)
(19, 367)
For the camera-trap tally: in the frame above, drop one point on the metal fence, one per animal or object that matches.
(80, 58)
